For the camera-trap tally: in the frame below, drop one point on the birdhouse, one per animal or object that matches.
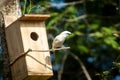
(24, 35)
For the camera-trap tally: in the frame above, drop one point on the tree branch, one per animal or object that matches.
(62, 48)
(79, 61)
(82, 66)
(76, 19)
(61, 69)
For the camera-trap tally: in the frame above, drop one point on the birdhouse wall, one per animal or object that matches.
(21, 36)
(15, 48)
(34, 37)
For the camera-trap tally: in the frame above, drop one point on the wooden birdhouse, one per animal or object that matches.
(24, 35)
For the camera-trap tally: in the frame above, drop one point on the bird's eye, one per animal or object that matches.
(67, 33)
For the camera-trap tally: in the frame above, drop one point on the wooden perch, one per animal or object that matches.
(30, 50)
(63, 48)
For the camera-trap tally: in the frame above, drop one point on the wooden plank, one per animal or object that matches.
(36, 78)
(9, 20)
(15, 47)
(34, 17)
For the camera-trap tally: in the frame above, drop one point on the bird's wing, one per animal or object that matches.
(57, 42)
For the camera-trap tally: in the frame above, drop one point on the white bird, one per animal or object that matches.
(59, 39)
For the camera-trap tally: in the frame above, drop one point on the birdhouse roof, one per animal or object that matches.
(34, 17)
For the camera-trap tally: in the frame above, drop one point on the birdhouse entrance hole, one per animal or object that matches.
(34, 36)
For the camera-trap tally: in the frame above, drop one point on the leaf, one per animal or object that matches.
(53, 20)
(83, 49)
(98, 34)
(82, 26)
(106, 72)
(77, 33)
(54, 14)
(71, 10)
(107, 31)
(94, 26)
(111, 41)
(117, 64)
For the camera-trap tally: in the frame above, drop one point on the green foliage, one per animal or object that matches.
(83, 49)
(94, 26)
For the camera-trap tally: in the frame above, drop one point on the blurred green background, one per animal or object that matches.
(95, 38)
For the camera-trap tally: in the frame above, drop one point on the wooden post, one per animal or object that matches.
(5, 57)
(29, 32)
(9, 12)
